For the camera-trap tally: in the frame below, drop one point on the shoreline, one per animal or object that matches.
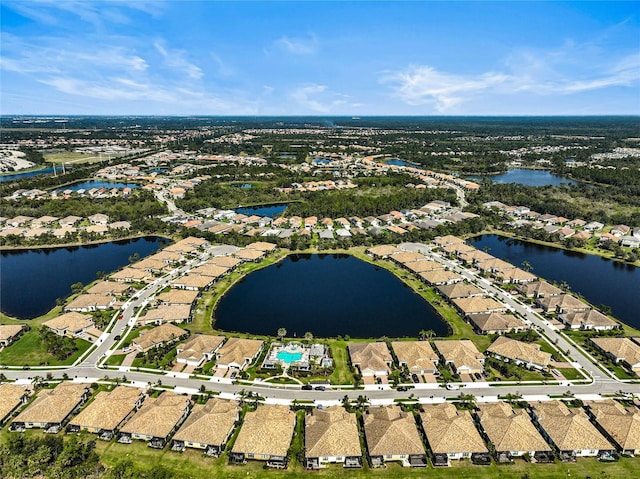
(86, 243)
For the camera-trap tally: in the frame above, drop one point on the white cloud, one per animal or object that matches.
(420, 85)
(317, 98)
(298, 46)
(525, 72)
(176, 60)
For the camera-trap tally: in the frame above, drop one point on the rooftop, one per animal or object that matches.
(449, 430)
(331, 432)
(158, 416)
(209, 423)
(510, 429)
(391, 431)
(109, 408)
(267, 430)
(54, 405)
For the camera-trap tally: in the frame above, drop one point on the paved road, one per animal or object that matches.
(89, 368)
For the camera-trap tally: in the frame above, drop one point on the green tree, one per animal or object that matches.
(282, 332)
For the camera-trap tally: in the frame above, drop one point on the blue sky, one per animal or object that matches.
(136, 57)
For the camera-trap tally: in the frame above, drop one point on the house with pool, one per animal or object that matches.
(297, 355)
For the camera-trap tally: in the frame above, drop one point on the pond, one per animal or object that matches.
(399, 162)
(599, 280)
(263, 210)
(328, 295)
(87, 185)
(32, 280)
(527, 177)
(321, 161)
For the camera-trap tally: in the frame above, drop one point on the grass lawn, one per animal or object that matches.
(115, 359)
(66, 156)
(570, 373)
(341, 373)
(29, 350)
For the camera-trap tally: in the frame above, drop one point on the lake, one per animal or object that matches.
(87, 185)
(599, 280)
(32, 280)
(263, 210)
(27, 174)
(328, 295)
(398, 162)
(527, 177)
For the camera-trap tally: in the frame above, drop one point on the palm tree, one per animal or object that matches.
(308, 336)
(282, 332)
(526, 266)
(426, 334)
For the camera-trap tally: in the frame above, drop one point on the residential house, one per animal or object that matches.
(512, 433)
(476, 305)
(391, 435)
(495, 323)
(156, 337)
(238, 353)
(451, 434)
(175, 313)
(520, 353)
(620, 230)
(130, 275)
(591, 319)
(417, 356)
(70, 324)
(620, 350)
(99, 219)
(9, 333)
(620, 424)
(111, 288)
(382, 251)
(156, 420)
(539, 289)
(12, 397)
(108, 411)
(331, 436)
(462, 355)
(440, 277)
(175, 297)
(569, 430)
(193, 282)
(371, 359)
(52, 407)
(198, 349)
(562, 303)
(265, 436)
(86, 303)
(418, 267)
(208, 427)
(248, 254)
(460, 290)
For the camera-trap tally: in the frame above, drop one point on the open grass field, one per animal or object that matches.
(68, 156)
(29, 350)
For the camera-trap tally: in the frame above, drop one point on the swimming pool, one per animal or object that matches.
(287, 357)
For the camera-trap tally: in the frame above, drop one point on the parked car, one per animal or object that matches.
(402, 388)
(319, 388)
(306, 387)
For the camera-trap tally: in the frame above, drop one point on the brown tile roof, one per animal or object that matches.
(249, 254)
(70, 321)
(622, 348)
(209, 423)
(448, 239)
(621, 423)
(370, 356)
(518, 275)
(209, 269)
(158, 416)
(262, 246)
(591, 318)
(11, 396)
(85, 301)
(167, 313)
(267, 430)
(383, 250)
(156, 336)
(460, 290)
(405, 257)
(496, 322)
(197, 345)
(130, 274)
(193, 280)
(54, 405)
(474, 256)
(108, 287)
(8, 331)
(237, 350)
(331, 432)
(478, 304)
(225, 261)
(461, 352)
(518, 350)
(450, 431)
(391, 431)
(509, 429)
(562, 302)
(424, 266)
(458, 248)
(539, 288)
(415, 354)
(440, 276)
(178, 296)
(109, 408)
(569, 429)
